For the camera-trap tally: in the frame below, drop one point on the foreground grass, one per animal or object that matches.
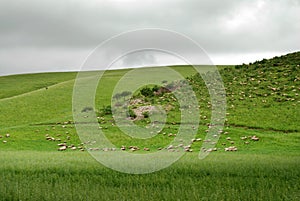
(30, 175)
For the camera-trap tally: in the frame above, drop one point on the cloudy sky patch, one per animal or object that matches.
(52, 35)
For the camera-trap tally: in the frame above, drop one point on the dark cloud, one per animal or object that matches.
(73, 26)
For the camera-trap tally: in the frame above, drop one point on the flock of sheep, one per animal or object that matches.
(171, 148)
(7, 135)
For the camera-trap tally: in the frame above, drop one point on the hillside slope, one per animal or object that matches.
(264, 94)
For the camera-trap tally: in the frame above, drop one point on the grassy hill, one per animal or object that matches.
(262, 100)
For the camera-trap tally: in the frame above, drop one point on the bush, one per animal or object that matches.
(105, 110)
(146, 114)
(147, 92)
(155, 88)
(130, 113)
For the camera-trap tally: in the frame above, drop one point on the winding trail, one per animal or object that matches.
(37, 90)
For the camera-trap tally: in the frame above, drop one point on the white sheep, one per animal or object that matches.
(63, 148)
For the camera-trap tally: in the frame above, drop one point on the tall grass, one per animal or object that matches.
(76, 176)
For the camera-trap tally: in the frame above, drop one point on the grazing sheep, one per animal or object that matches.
(254, 138)
(73, 148)
(62, 145)
(232, 148)
(123, 148)
(63, 148)
(170, 147)
(1, 136)
(4, 141)
(7, 135)
(211, 150)
(246, 142)
(180, 145)
(146, 149)
(188, 148)
(231, 142)
(244, 138)
(132, 149)
(228, 138)
(208, 140)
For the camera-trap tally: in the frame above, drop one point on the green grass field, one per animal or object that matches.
(262, 100)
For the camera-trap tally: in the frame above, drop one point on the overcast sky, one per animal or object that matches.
(50, 35)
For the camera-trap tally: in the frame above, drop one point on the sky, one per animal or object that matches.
(59, 35)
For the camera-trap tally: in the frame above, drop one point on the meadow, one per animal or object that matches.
(262, 100)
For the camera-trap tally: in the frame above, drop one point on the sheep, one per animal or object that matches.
(188, 148)
(254, 138)
(62, 145)
(208, 140)
(123, 148)
(7, 135)
(4, 141)
(211, 150)
(244, 138)
(146, 149)
(63, 148)
(232, 148)
(180, 145)
(132, 149)
(170, 147)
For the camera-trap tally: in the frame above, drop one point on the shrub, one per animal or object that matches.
(147, 92)
(105, 110)
(146, 114)
(130, 113)
(155, 88)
